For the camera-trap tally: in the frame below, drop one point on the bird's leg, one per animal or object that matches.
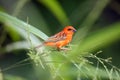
(69, 46)
(63, 48)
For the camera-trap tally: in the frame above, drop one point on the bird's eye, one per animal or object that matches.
(69, 29)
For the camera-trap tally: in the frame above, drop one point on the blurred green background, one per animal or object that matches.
(98, 29)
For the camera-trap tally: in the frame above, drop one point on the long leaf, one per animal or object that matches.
(55, 7)
(97, 40)
(16, 23)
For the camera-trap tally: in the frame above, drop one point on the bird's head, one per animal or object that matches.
(69, 29)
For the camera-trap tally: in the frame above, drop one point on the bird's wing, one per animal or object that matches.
(57, 37)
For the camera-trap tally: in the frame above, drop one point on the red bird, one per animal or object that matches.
(60, 39)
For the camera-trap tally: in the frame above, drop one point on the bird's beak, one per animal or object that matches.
(74, 30)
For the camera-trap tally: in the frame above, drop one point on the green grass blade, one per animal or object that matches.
(16, 23)
(1, 75)
(12, 77)
(91, 19)
(20, 4)
(57, 10)
(98, 39)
